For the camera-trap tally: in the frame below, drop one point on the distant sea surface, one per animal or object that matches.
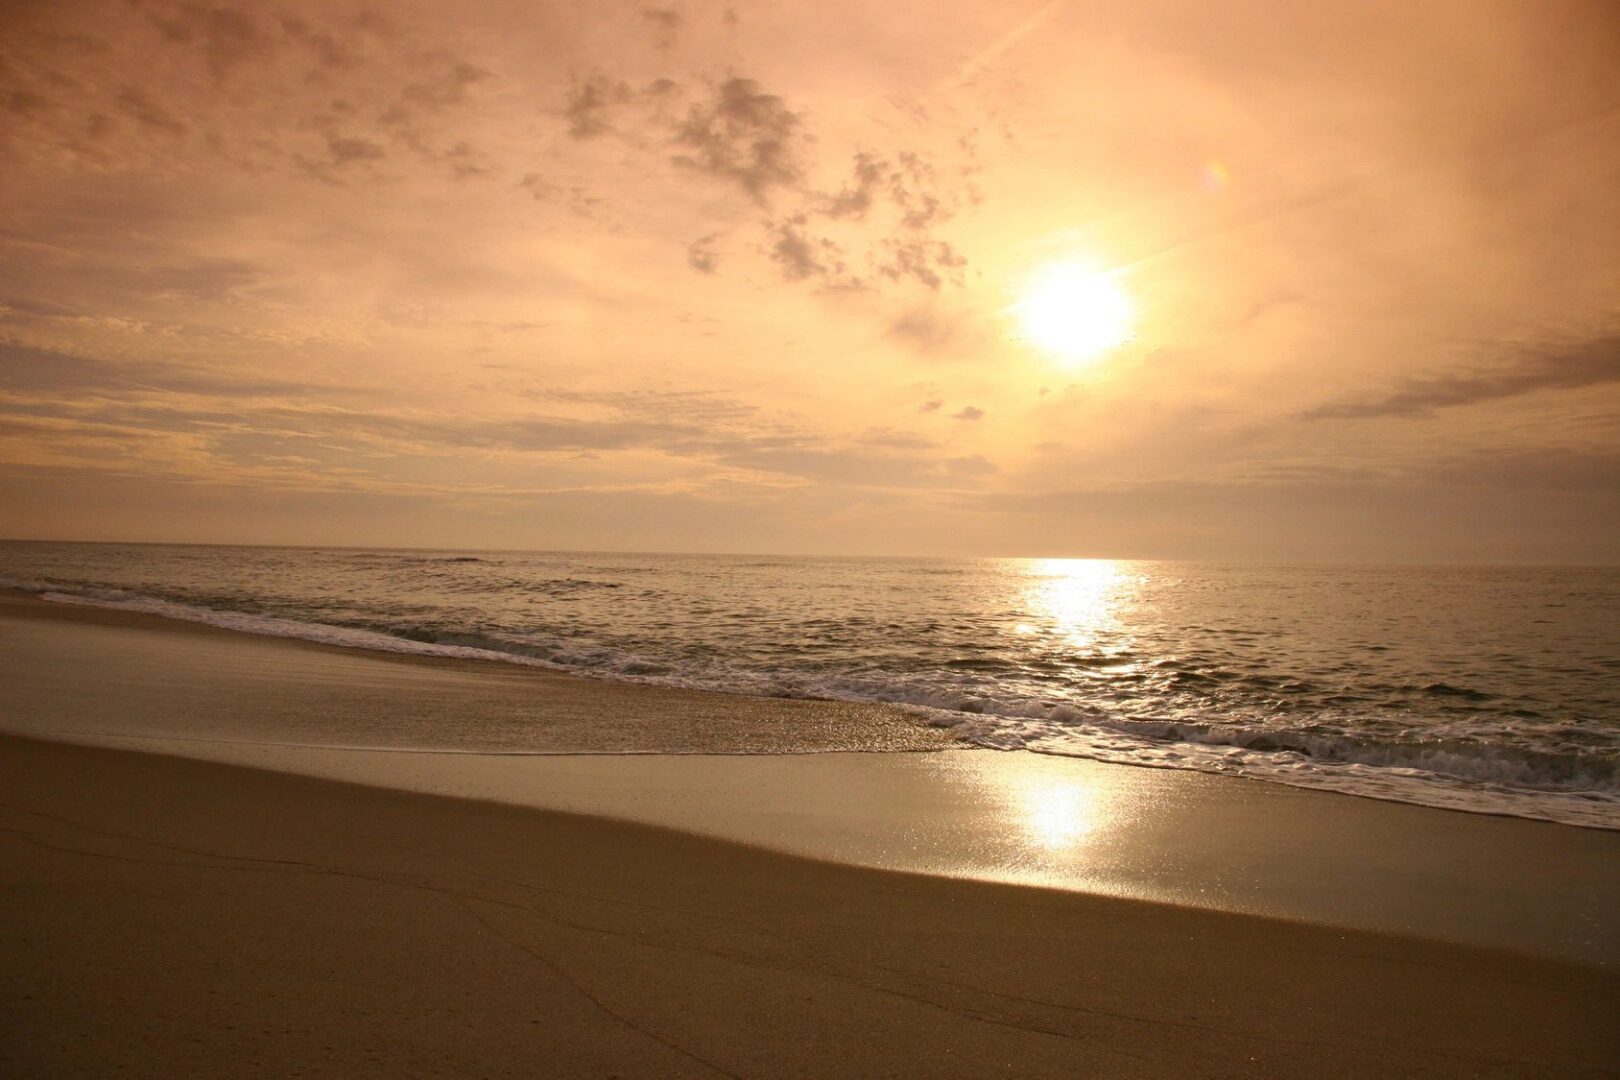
(1493, 690)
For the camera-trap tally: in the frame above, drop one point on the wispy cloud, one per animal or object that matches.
(331, 90)
(1553, 366)
(217, 423)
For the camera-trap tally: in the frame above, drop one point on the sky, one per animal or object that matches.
(754, 277)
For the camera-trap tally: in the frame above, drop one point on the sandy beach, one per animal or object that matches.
(168, 915)
(174, 917)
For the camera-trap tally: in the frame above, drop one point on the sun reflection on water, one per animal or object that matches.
(1077, 598)
(1075, 605)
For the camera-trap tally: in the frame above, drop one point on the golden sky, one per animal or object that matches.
(757, 276)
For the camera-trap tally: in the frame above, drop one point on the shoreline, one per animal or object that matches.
(171, 915)
(904, 727)
(712, 720)
(1172, 836)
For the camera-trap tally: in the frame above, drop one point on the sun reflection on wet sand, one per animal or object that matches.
(1053, 820)
(1057, 814)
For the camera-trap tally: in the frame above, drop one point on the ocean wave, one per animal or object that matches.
(395, 557)
(1502, 766)
(274, 626)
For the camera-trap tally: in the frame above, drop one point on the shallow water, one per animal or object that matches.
(1487, 689)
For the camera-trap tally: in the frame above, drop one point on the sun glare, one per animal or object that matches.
(1058, 814)
(1075, 311)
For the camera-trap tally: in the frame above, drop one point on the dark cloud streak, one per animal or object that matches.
(36, 371)
(1551, 367)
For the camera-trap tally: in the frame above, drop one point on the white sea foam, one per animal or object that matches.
(272, 626)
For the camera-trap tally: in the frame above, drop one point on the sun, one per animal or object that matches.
(1075, 311)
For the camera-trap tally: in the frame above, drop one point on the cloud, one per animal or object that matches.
(341, 151)
(444, 85)
(701, 254)
(929, 262)
(329, 50)
(874, 225)
(575, 197)
(1507, 504)
(25, 103)
(352, 148)
(591, 102)
(166, 278)
(968, 412)
(745, 136)
(931, 405)
(923, 329)
(1595, 470)
(871, 175)
(40, 374)
(192, 422)
(666, 24)
(691, 405)
(1552, 366)
(909, 183)
(891, 439)
(802, 256)
(166, 89)
(888, 209)
(148, 113)
(857, 466)
(227, 38)
(973, 466)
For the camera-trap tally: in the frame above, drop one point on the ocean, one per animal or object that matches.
(1483, 689)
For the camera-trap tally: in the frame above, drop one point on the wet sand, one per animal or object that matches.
(168, 916)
